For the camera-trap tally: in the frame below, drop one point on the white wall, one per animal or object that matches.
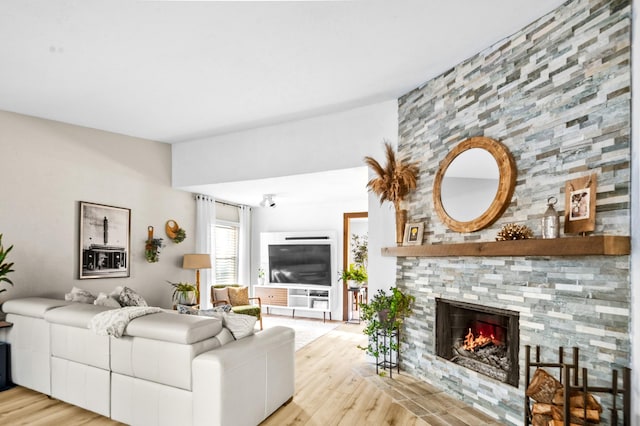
(328, 142)
(47, 168)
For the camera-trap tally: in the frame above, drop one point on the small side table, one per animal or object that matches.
(383, 341)
(357, 296)
(5, 373)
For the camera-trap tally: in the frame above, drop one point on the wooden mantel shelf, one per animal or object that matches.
(607, 245)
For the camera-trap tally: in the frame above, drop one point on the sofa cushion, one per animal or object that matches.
(75, 315)
(170, 327)
(238, 296)
(34, 307)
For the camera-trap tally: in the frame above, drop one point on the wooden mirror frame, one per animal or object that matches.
(506, 184)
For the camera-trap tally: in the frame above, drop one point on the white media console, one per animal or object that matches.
(301, 271)
(301, 297)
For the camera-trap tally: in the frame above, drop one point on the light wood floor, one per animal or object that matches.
(334, 386)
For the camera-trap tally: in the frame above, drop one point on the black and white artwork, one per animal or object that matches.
(104, 241)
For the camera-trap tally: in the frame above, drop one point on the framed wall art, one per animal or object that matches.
(105, 233)
(580, 205)
(413, 234)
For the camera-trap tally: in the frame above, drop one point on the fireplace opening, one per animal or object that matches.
(480, 338)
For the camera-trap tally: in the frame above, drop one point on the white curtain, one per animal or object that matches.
(244, 247)
(205, 243)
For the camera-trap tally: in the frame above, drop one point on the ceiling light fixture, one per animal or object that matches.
(267, 201)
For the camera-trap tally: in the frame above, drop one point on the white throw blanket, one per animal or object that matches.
(113, 322)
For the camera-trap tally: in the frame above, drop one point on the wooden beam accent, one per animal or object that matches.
(596, 245)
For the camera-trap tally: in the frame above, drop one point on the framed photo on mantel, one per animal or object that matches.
(580, 205)
(105, 233)
(413, 234)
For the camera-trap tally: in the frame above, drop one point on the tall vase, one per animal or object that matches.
(401, 220)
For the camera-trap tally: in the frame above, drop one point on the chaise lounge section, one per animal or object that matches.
(166, 369)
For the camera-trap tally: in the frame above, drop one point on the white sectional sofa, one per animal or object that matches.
(167, 369)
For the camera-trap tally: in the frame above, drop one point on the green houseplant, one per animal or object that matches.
(354, 275)
(184, 293)
(5, 267)
(382, 314)
(152, 249)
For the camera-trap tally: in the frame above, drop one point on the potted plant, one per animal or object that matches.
(152, 249)
(184, 293)
(5, 267)
(354, 276)
(260, 276)
(384, 313)
(393, 183)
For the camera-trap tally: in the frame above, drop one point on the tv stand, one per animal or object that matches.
(296, 297)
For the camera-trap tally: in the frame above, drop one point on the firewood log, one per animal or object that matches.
(548, 410)
(557, 413)
(540, 420)
(576, 400)
(561, 423)
(543, 386)
(592, 415)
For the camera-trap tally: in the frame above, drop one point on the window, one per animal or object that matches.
(226, 253)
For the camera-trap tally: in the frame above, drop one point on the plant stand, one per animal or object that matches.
(383, 341)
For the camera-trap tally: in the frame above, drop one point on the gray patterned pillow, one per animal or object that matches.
(186, 310)
(129, 297)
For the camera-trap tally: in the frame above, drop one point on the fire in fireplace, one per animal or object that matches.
(480, 338)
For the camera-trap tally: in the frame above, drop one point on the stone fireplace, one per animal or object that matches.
(557, 95)
(480, 338)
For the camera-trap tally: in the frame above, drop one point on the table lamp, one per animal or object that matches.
(197, 262)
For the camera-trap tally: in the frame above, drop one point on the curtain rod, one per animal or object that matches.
(225, 203)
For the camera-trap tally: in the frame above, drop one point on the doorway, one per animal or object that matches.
(356, 223)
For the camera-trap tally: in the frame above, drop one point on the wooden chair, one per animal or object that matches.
(220, 295)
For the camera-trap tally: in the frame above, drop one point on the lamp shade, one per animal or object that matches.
(196, 261)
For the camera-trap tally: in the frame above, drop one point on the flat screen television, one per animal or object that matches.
(300, 263)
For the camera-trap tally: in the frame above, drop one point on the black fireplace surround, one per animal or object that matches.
(480, 338)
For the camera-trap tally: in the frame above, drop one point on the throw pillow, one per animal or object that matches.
(186, 309)
(215, 311)
(239, 325)
(220, 294)
(104, 299)
(128, 297)
(224, 337)
(79, 295)
(238, 296)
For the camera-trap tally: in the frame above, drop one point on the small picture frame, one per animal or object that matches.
(413, 234)
(580, 205)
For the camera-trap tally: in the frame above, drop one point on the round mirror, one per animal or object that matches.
(474, 184)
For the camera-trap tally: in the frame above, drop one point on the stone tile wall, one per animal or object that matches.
(557, 94)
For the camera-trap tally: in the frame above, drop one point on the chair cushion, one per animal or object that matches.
(238, 296)
(220, 294)
(252, 310)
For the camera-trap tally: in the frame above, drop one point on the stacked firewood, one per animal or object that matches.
(548, 409)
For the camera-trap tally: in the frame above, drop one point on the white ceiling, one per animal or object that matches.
(172, 71)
